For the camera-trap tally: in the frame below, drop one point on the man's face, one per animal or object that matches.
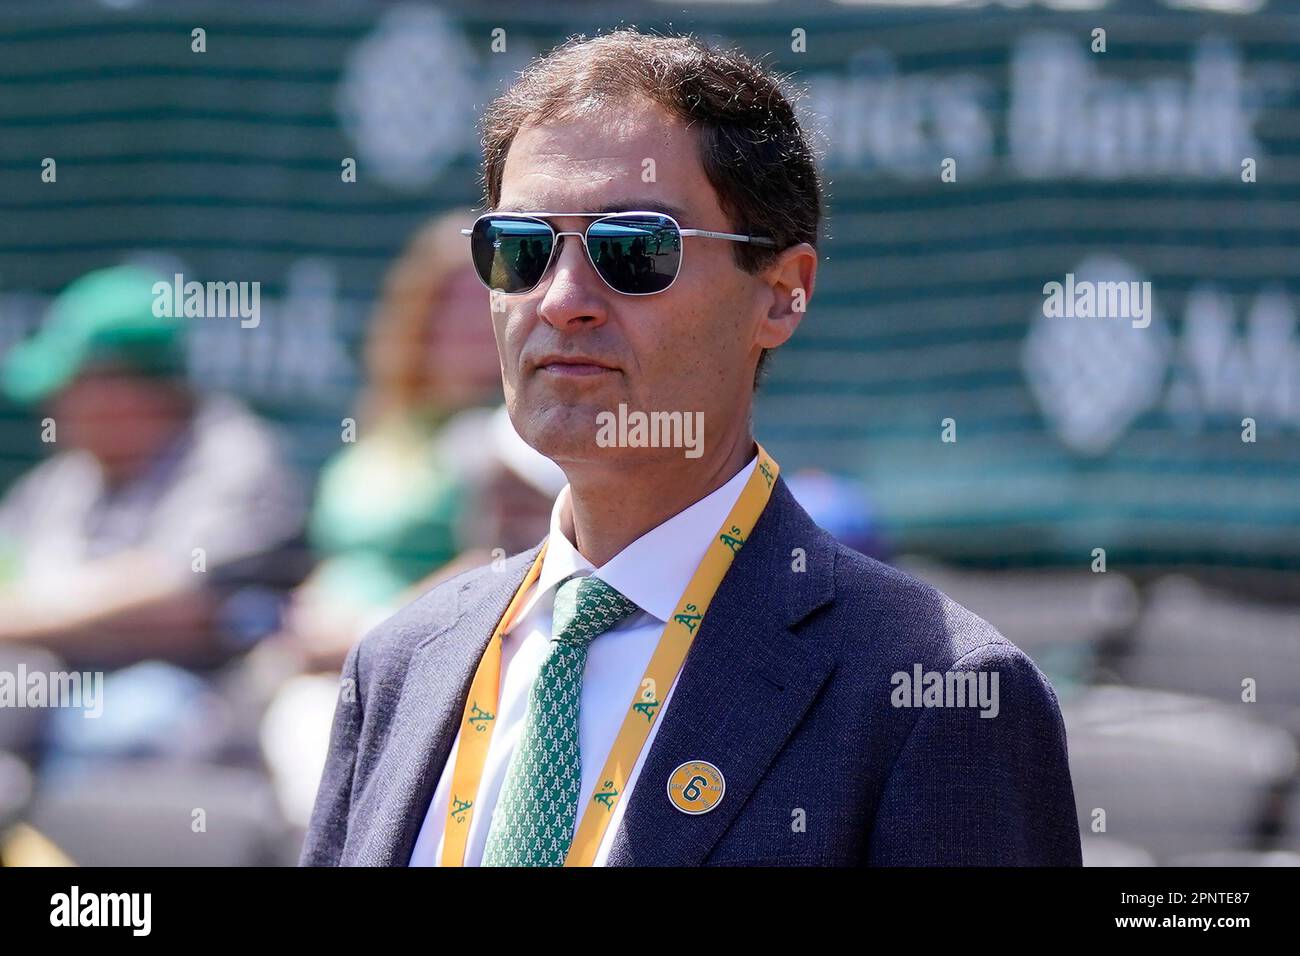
(692, 348)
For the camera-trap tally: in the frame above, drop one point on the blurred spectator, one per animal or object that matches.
(387, 506)
(138, 537)
(841, 506)
(513, 488)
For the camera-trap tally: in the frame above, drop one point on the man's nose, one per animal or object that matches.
(574, 293)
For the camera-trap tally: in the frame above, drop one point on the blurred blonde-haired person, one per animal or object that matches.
(387, 507)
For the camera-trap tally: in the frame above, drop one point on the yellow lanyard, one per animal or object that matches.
(480, 708)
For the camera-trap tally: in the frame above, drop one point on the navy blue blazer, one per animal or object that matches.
(791, 688)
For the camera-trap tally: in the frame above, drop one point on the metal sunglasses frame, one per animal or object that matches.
(601, 217)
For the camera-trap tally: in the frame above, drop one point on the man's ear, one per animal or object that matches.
(790, 277)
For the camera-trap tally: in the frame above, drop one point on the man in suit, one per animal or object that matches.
(687, 670)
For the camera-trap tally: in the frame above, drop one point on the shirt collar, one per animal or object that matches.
(654, 570)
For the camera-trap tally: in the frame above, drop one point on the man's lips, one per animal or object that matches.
(571, 367)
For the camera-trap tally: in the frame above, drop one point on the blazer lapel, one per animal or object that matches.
(745, 685)
(429, 707)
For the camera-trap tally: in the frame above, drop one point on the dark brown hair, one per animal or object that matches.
(752, 147)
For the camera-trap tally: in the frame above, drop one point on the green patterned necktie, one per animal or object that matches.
(534, 817)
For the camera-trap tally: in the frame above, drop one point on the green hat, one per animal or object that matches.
(104, 316)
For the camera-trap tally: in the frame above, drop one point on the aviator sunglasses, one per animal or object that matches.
(635, 253)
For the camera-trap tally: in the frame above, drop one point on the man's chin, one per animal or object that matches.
(572, 450)
(563, 432)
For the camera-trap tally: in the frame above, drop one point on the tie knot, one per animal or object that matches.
(586, 607)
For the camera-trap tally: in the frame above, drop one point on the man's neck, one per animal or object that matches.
(612, 508)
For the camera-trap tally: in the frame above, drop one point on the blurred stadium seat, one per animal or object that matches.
(1104, 851)
(1268, 858)
(21, 726)
(144, 814)
(1175, 775)
(1060, 618)
(15, 789)
(1038, 609)
(1199, 641)
(1290, 835)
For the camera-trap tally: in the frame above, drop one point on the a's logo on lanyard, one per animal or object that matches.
(689, 620)
(649, 703)
(733, 540)
(606, 795)
(480, 718)
(460, 807)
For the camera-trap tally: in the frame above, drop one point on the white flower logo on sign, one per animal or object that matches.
(407, 95)
(1094, 376)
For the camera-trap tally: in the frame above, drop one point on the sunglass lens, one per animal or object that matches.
(636, 254)
(511, 254)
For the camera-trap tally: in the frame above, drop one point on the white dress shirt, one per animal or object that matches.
(653, 572)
